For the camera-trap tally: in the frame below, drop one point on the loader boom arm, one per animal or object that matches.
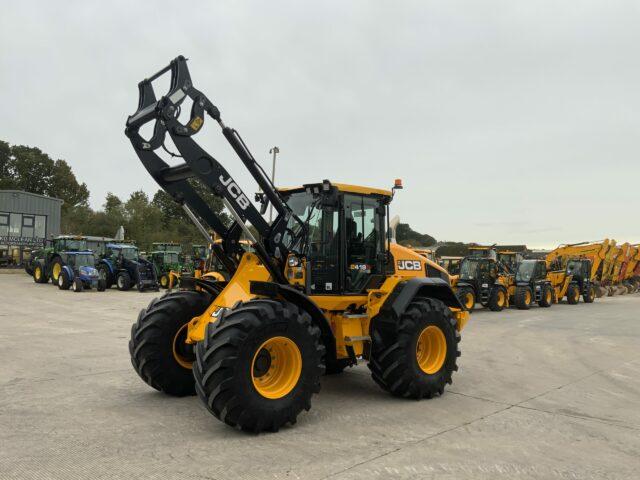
(276, 240)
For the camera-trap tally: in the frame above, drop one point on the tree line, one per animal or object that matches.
(145, 220)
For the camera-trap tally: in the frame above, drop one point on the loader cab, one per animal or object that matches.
(531, 271)
(345, 248)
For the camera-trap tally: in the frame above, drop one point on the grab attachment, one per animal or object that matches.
(276, 240)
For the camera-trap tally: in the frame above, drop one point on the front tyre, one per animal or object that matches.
(158, 350)
(498, 299)
(523, 298)
(259, 365)
(573, 294)
(546, 297)
(417, 358)
(63, 281)
(590, 294)
(77, 285)
(467, 298)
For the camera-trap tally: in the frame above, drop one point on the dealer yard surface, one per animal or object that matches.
(544, 394)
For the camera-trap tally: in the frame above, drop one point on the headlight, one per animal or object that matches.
(294, 261)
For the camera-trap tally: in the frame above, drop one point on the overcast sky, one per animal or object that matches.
(508, 121)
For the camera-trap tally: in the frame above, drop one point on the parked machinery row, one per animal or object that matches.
(498, 279)
(80, 262)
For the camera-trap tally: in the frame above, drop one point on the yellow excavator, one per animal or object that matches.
(630, 270)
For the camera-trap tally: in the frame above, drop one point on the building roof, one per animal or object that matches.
(22, 192)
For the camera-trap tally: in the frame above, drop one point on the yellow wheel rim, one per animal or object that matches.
(276, 367)
(501, 298)
(547, 297)
(38, 273)
(431, 349)
(468, 300)
(527, 297)
(56, 271)
(179, 339)
(163, 281)
(576, 295)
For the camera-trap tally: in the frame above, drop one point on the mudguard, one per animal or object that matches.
(404, 293)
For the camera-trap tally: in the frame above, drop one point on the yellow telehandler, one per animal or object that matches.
(485, 280)
(323, 289)
(587, 261)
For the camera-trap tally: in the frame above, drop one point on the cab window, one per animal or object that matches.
(362, 240)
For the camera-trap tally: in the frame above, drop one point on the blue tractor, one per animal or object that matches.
(78, 272)
(121, 265)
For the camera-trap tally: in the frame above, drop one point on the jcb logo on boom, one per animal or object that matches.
(409, 265)
(234, 190)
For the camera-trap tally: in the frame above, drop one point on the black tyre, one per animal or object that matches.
(76, 285)
(164, 281)
(467, 298)
(416, 358)
(102, 285)
(590, 295)
(28, 267)
(259, 365)
(158, 351)
(546, 296)
(523, 298)
(56, 270)
(139, 287)
(497, 299)
(105, 275)
(123, 281)
(573, 294)
(335, 366)
(39, 275)
(63, 281)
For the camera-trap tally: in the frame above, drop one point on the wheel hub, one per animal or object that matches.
(276, 367)
(431, 349)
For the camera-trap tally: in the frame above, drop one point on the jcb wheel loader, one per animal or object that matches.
(323, 289)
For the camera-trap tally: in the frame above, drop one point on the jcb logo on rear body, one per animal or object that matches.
(409, 265)
(236, 193)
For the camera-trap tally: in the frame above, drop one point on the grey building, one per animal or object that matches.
(26, 220)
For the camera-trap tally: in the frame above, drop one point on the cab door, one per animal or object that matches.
(364, 242)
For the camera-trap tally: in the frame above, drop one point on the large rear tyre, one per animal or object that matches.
(498, 299)
(523, 298)
(467, 298)
(39, 276)
(573, 294)
(259, 365)
(416, 358)
(123, 281)
(56, 269)
(158, 350)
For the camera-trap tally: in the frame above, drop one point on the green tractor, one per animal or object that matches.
(167, 257)
(47, 263)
